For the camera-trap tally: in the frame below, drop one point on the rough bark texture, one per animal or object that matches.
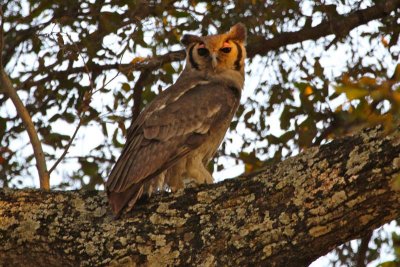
(287, 215)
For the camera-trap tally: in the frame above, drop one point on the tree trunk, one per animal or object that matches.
(287, 215)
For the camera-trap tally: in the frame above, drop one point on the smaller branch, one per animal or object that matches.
(154, 62)
(86, 101)
(67, 147)
(362, 250)
(7, 87)
(85, 67)
(106, 83)
(1, 35)
(146, 65)
(98, 159)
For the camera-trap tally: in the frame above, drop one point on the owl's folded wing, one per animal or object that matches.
(163, 136)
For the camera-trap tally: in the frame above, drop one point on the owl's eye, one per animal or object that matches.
(203, 52)
(226, 49)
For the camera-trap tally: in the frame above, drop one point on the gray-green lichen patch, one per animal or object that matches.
(159, 240)
(355, 201)
(338, 198)
(163, 208)
(26, 230)
(208, 261)
(267, 250)
(126, 261)
(167, 220)
(395, 183)
(208, 196)
(7, 222)
(100, 211)
(357, 160)
(90, 248)
(284, 218)
(163, 256)
(394, 138)
(396, 163)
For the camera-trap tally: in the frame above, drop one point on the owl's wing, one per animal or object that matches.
(176, 122)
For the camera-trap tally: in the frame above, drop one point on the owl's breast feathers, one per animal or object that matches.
(195, 111)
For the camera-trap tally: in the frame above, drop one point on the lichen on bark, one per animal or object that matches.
(289, 214)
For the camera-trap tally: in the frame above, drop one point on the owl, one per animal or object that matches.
(177, 134)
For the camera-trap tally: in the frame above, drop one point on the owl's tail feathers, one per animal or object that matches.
(122, 202)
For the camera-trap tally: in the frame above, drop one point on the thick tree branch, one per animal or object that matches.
(7, 87)
(288, 215)
(339, 25)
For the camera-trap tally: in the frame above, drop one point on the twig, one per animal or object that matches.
(1, 35)
(86, 101)
(107, 82)
(67, 146)
(8, 88)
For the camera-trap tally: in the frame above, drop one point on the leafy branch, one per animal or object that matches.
(86, 98)
(338, 25)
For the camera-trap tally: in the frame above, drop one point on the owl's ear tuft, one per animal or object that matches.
(187, 39)
(238, 32)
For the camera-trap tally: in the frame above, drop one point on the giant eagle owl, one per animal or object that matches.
(177, 134)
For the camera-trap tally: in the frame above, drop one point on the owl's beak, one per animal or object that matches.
(214, 61)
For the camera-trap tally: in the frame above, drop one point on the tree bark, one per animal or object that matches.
(287, 215)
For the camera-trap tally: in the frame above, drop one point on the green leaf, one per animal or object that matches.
(89, 168)
(352, 92)
(109, 21)
(69, 117)
(126, 87)
(115, 139)
(389, 264)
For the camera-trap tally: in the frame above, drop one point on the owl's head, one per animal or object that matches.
(216, 53)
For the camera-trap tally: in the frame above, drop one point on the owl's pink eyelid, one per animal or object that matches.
(226, 44)
(201, 46)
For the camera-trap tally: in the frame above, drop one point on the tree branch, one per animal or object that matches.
(289, 215)
(1, 35)
(71, 140)
(339, 25)
(7, 87)
(362, 250)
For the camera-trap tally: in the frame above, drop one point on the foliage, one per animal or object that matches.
(71, 62)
